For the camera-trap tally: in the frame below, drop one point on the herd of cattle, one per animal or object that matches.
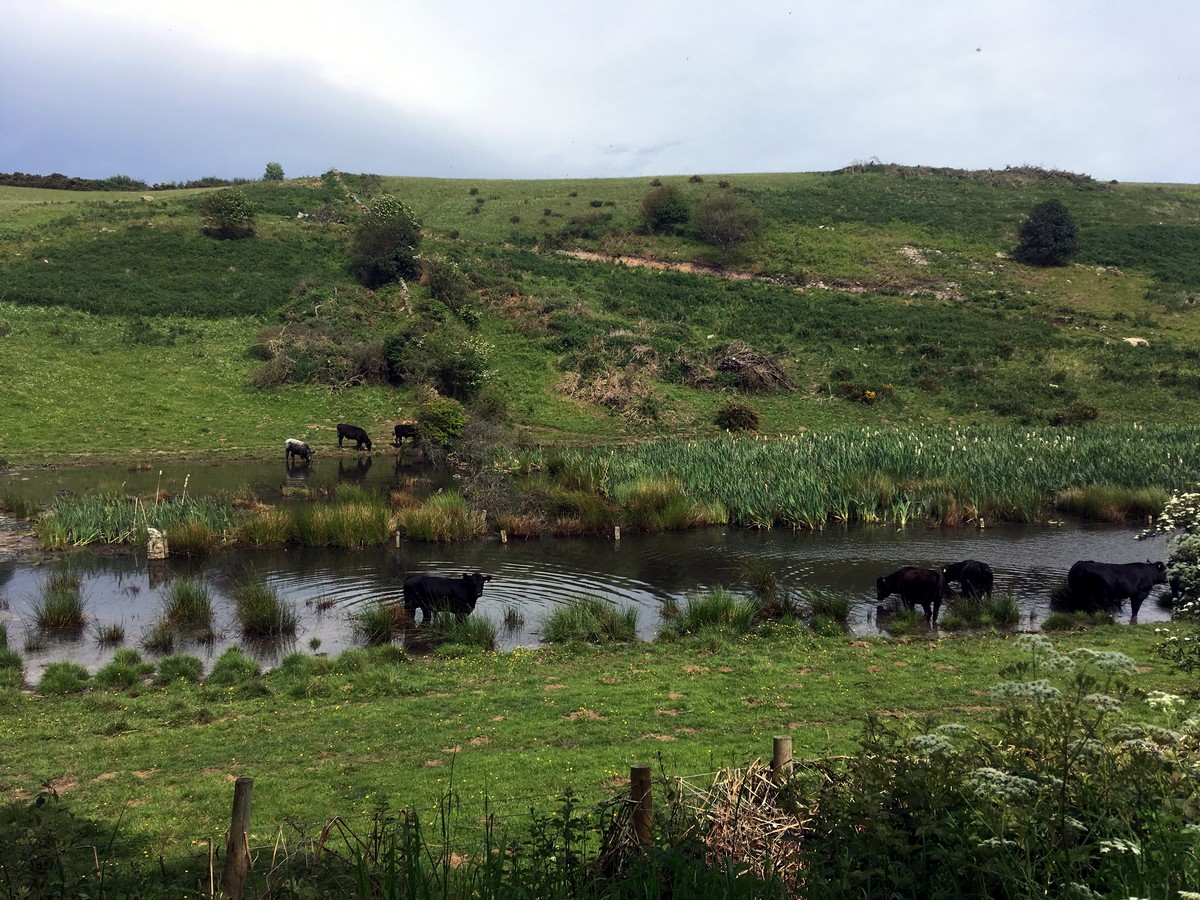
(294, 449)
(1091, 585)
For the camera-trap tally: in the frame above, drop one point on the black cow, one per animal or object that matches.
(296, 449)
(923, 586)
(406, 430)
(974, 577)
(433, 593)
(1095, 584)
(353, 433)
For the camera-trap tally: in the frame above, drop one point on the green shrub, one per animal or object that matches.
(228, 214)
(589, 619)
(441, 420)
(273, 172)
(664, 208)
(63, 677)
(446, 281)
(1048, 237)
(726, 221)
(386, 243)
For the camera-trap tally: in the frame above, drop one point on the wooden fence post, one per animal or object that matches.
(237, 847)
(643, 805)
(781, 757)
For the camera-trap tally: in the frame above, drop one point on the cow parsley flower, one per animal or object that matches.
(933, 745)
(993, 784)
(1120, 845)
(1038, 691)
(1106, 660)
(1104, 702)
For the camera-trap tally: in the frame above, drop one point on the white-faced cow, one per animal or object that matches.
(1093, 585)
(974, 577)
(433, 593)
(915, 586)
(295, 449)
(353, 433)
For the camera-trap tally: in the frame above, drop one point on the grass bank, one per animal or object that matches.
(375, 729)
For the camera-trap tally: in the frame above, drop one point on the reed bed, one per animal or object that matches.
(110, 518)
(934, 475)
(592, 620)
(445, 516)
(1108, 503)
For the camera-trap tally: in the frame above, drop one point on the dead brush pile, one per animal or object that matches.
(750, 816)
(755, 371)
(626, 392)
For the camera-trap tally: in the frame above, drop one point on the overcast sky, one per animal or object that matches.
(171, 90)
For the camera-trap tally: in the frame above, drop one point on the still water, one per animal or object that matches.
(327, 586)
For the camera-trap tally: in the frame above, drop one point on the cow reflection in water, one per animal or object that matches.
(915, 586)
(356, 471)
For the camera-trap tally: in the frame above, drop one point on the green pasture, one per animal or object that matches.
(336, 737)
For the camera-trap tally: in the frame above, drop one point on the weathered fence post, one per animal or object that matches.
(781, 756)
(237, 847)
(643, 805)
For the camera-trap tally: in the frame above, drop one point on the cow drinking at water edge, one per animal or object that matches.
(353, 433)
(1092, 585)
(915, 585)
(974, 577)
(433, 593)
(294, 449)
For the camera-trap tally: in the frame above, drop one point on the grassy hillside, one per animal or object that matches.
(885, 294)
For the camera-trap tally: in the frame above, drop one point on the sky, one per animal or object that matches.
(174, 90)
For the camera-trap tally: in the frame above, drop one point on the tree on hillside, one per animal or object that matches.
(1048, 237)
(663, 208)
(227, 214)
(274, 172)
(726, 221)
(386, 243)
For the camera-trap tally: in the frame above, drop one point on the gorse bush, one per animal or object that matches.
(734, 415)
(664, 208)
(228, 214)
(1048, 237)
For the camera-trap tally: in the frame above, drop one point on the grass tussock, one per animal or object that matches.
(963, 611)
(193, 538)
(60, 607)
(718, 611)
(450, 635)
(261, 613)
(187, 603)
(591, 620)
(379, 622)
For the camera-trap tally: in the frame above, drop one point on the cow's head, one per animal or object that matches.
(1160, 572)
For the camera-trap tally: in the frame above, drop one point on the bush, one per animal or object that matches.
(737, 416)
(446, 281)
(227, 214)
(273, 172)
(664, 208)
(726, 221)
(441, 420)
(1048, 237)
(386, 243)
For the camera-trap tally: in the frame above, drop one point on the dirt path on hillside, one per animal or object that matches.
(692, 268)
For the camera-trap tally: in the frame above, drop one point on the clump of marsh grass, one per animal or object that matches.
(902, 621)
(63, 677)
(112, 518)
(444, 516)
(718, 610)
(1110, 503)
(126, 670)
(514, 619)
(110, 634)
(378, 623)
(355, 519)
(12, 666)
(187, 603)
(447, 631)
(260, 612)
(660, 503)
(21, 507)
(179, 667)
(592, 620)
(233, 667)
(970, 611)
(159, 637)
(60, 608)
(266, 526)
(828, 611)
(193, 538)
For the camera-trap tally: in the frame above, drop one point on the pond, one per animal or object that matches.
(327, 586)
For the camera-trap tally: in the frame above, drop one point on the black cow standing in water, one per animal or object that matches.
(353, 433)
(1092, 585)
(433, 593)
(974, 577)
(915, 586)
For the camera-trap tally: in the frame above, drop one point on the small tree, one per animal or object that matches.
(726, 221)
(386, 243)
(274, 172)
(664, 208)
(1048, 237)
(227, 214)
